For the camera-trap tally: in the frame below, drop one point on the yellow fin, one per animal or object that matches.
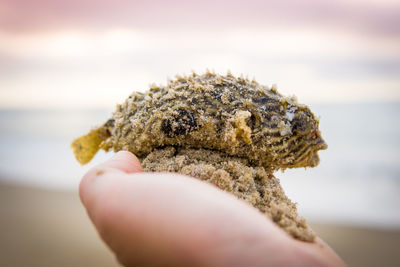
(85, 147)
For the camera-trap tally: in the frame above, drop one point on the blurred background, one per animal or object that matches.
(64, 65)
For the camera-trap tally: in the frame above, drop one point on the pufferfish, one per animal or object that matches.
(232, 115)
(228, 131)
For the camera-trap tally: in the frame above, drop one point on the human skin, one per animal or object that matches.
(168, 219)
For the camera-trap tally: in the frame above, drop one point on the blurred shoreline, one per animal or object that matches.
(42, 227)
(358, 176)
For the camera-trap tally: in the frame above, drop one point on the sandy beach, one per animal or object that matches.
(49, 228)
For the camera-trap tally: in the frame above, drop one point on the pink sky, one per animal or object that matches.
(373, 17)
(64, 52)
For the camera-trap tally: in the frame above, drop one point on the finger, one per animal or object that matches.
(122, 161)
(169, 219)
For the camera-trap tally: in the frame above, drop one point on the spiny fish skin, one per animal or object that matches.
(232, 115)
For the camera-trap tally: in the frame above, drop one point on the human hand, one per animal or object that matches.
(168, 219)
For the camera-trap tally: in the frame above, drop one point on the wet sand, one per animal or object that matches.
(48, 228)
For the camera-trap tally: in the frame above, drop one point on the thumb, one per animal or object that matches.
(123, 162)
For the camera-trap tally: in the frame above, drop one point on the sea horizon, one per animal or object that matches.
(357, 181)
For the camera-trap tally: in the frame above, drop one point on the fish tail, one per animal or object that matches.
(86, 146)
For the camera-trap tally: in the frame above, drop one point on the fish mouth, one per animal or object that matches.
(318, 143)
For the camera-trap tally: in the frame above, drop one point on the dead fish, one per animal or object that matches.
(232, 115)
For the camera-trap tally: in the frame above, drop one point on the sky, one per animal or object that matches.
(87, 53)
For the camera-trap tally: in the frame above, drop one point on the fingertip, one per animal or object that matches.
(124, 161)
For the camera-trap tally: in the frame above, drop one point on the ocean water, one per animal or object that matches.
(357, 181)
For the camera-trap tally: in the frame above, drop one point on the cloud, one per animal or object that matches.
(381, 18)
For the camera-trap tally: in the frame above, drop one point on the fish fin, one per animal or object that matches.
(86, 146)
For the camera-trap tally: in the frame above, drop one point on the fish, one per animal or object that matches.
(229, 131)
(231, 115)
